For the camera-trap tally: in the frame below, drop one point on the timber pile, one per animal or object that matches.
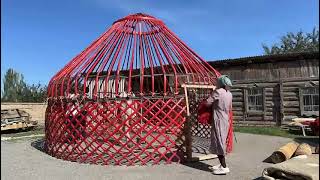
(302, 124)
(294, 169)
(293, 161)
(290, 150)
(15, 119)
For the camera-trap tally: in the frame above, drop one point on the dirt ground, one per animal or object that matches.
(20, 159)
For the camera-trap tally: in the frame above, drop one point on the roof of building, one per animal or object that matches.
(267, 58)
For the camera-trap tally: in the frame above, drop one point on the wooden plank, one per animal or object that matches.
(285, 80)
(315, 82)
(19, 106)
(203, 157)
(13, 116)
(253, 113)
(237, 117)
(257, 118)
(291, 98)
(272, 99)
(234, 90)
(292, 109)
(237, 108)
(290, 89)
(188, 136)
(290, 117)
(187, 100)
(268, 89)
(291, 104)
(290, 94)
(270, 109)
(302, 83)
(255, 123)
(291, 113)
(19, 125)
(271, 105)
(198, 86)
(237, 113)
(237, 94)
(272, 94)
(269, 102)
(237, 104)
(237, 99)
(268, 113)
(250, 85)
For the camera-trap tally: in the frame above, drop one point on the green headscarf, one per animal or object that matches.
(224, 80)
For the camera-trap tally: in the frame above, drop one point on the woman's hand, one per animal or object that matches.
(209, 101)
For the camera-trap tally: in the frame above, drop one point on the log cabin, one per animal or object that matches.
(273, 89)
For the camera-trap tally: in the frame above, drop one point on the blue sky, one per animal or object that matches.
(39, 37)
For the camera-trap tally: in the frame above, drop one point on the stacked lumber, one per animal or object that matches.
(15, 119)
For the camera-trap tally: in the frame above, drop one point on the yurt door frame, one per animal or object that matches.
(188, 133)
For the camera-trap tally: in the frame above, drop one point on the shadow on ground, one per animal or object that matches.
(205, 167)
(198, 165)
(15, 131)
(312, 141)
(259, 178)
(38, 144)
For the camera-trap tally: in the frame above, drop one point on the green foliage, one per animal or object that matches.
(271, 131)
(35, 93)
(15, 89)
(291, 43)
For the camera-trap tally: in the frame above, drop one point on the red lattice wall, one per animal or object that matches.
(121, 132)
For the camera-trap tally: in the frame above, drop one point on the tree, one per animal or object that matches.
(35, 93)
(13, 86)
(299, 42)
(15, 89)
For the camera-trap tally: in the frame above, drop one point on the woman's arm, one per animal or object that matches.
(214, 96)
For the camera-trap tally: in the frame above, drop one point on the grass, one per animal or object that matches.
(271, 131)
(277, 131)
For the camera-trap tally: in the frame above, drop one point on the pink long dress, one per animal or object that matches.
(221, 100)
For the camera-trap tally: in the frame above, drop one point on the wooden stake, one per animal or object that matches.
(188, 138)
(187, 100)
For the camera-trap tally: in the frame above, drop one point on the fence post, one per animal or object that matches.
(188, 138)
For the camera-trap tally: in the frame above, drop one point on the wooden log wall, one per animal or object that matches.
(281, 81)
(241, 115)
(275, 96)
(269, 70)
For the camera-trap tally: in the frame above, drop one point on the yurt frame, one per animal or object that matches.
(133, 122)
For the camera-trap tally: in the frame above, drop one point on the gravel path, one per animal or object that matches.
(20, 160)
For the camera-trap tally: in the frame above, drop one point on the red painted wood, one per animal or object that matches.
(138, 56)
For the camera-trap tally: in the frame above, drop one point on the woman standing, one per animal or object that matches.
(221, 101)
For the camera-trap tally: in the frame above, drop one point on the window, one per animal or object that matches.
(309, 101)
(255, 99)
